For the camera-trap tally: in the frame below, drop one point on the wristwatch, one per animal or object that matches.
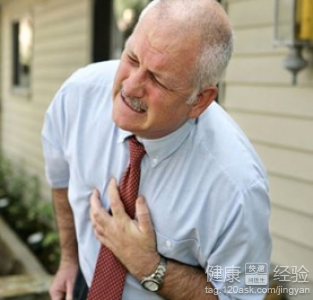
(153, 282)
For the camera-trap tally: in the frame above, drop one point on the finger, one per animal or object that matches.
(96, 233)
(143, 215)
(99, 237)
(57, 295)
(99, 229)
(117, 206)
(94, 205)
(102, 238)
(97, 213)
(95, 200)
(69, 291)
(92, 208)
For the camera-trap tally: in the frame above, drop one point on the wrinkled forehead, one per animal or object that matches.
(166, 35)
(168, 56)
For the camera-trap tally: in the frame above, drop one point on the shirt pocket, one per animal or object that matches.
(185, 251)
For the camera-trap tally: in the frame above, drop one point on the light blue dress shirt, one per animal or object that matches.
(205, 186)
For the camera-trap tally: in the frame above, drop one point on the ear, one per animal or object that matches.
(204, 99)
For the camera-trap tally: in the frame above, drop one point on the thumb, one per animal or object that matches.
(96, 194)
(69, 291)
(57, 295)
(143, 214)
(95, 199)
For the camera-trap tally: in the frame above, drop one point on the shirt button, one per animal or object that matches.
(169, 244)
(155, 160)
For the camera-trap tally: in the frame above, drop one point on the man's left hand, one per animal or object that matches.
(132, 241)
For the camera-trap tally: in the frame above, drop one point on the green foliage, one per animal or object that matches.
(27, 211)
(5, 172)
(50, 238)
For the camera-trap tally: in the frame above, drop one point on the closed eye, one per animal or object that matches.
(152, 76)
(132, 60)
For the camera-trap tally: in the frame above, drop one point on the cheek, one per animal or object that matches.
(157, 97)
(165, 109)
(159, 104)
(121, 74)
(173, 110)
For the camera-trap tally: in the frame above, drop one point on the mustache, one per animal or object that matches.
(135, 101)
(128, 97)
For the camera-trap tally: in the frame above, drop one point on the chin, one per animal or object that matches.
(120, 122)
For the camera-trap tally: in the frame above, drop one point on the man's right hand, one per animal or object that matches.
(64, 280)
(63, 284)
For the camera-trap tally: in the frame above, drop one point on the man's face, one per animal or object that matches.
(152, 83)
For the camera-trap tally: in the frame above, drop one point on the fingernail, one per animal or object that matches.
(141, 200)
(96, 193)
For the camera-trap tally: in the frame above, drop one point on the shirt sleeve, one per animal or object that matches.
(56, 164)
(245, 240)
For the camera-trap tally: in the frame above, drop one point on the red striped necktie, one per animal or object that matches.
(109, 276)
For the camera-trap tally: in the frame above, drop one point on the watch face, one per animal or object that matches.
(150, 285)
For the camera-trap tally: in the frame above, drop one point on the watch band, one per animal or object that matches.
(154, 281)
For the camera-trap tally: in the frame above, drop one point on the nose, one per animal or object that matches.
(134, 84)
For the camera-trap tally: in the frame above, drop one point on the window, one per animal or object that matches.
(126, 14)
(113, 21)
(22, 33)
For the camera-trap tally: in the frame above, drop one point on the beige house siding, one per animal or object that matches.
(278, 118)
(62, 33)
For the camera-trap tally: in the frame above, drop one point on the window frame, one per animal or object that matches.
(16, 86)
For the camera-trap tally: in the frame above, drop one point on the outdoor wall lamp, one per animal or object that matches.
(127, 12)
(294, 28)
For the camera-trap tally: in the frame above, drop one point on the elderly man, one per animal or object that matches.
(203, 206)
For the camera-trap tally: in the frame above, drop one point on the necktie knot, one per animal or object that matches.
(136, 151)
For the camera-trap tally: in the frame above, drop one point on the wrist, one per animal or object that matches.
(154, 281)
(148, 265)
(68, 260)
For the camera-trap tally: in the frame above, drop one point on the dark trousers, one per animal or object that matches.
(80, 287)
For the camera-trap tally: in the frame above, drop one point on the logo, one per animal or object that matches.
(256, 274)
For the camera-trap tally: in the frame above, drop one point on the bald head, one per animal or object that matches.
(207, 21)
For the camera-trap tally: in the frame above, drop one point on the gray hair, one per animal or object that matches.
(209, 20)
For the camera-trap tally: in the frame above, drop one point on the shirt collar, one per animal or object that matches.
(123, 135)
(159, 149)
